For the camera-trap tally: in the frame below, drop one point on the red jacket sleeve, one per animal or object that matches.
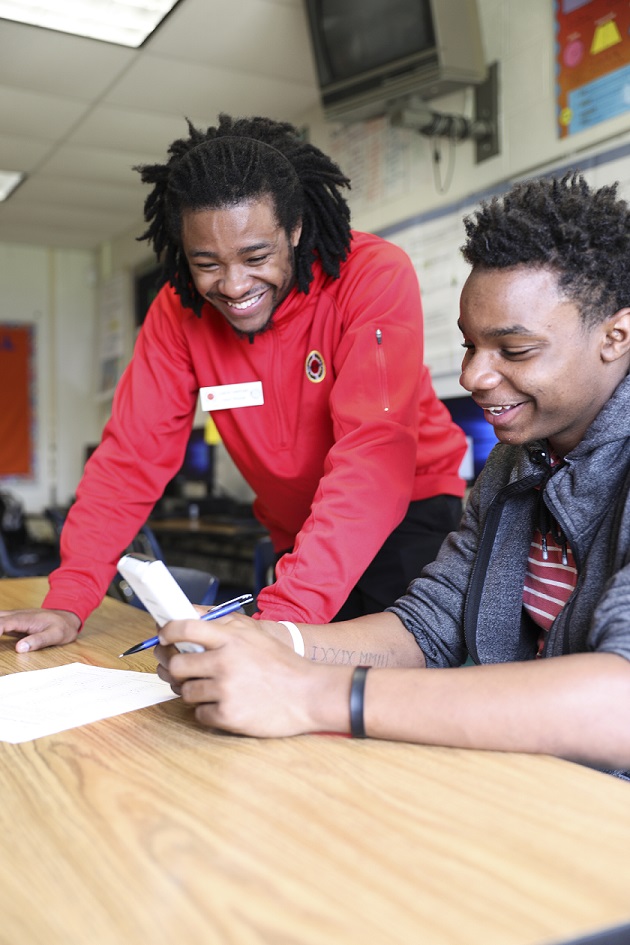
(141, 450)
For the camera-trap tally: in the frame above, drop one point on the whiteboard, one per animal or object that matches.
(433, 242)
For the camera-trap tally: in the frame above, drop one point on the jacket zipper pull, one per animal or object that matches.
(381, 369)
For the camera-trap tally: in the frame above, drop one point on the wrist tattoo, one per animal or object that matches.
(339, 657)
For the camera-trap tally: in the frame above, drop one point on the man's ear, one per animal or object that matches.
(616, 340)
(296, 234)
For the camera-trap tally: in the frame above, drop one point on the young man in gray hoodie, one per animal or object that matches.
(535, 585)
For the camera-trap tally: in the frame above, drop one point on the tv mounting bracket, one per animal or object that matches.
(414, 112)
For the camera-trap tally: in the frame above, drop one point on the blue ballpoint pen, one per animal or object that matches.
(227, 608)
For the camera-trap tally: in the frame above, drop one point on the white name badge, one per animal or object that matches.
(226, 396)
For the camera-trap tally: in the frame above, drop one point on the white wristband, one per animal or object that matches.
(296, 636)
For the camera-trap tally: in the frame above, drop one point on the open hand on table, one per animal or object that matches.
(37, 629)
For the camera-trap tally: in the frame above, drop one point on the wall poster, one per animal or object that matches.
(17, 416)
(592, 62)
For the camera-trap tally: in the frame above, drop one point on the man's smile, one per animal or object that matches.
(496, 410)
(500, 409)
(244, 305)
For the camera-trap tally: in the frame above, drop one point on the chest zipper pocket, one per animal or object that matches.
(381, 370)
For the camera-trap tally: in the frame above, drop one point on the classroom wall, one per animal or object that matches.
(402, 192)
(520, 38)
(54, 290)
(395, 180)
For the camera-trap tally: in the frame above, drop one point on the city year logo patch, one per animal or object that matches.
(315, 367)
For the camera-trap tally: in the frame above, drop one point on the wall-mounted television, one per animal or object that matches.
(370, 53)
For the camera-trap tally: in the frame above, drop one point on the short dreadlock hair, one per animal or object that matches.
(247, 159)
(561, 224)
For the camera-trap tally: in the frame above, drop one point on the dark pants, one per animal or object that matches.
(412, 545)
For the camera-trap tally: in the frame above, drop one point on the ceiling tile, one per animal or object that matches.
(22, 207)
(41, 115)
(170, 86)
(105, 166)
(70, 192)
(126, 129)
(23, 153)
(256, 38)
(58, 64)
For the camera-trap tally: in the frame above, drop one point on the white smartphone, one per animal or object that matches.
(160, 593)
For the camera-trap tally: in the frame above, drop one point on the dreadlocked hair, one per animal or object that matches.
(247, 159)
(562, 224)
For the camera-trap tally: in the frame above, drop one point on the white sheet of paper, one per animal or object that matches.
(44, 701)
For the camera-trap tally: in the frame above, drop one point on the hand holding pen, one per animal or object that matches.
(221, 611)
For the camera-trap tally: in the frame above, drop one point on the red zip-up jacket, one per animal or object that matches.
(349, 433)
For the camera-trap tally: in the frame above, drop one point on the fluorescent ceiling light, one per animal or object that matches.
(125, 22)
(9, 181)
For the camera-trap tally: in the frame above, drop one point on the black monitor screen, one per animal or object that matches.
(358, 35)
(467, 415)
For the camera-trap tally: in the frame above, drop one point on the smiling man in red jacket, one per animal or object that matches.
(305, 340)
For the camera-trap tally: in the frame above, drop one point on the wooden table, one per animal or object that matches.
(145, 829)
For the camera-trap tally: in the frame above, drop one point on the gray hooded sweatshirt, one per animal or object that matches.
(470, 600)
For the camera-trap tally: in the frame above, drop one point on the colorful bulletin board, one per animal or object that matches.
(17, 344)
(592, 62)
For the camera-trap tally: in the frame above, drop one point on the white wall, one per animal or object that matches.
(54, 291)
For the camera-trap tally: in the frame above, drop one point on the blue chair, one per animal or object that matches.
(145, 543)
(56, 516)
(200, 587)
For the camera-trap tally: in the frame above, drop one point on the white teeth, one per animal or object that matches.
(246, 304)
(497, 411)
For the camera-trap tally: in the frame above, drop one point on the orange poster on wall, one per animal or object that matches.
(16, 401)
(592, 62)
